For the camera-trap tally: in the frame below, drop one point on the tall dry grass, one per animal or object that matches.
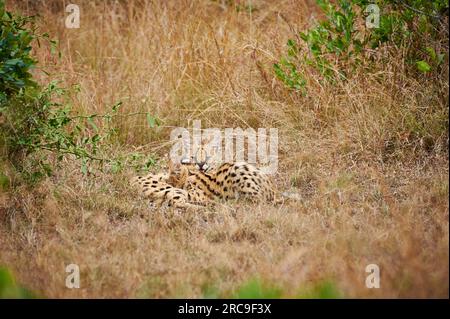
(369, 158)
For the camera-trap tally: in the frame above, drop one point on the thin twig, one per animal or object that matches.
(401, 2)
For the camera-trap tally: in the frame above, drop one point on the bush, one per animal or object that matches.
(38, 120)
(337, 45)
(15, 59)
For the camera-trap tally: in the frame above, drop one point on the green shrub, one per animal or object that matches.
(336, 46)
(39, 120)
(15, 59)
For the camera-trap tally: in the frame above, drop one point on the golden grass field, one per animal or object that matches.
(368, 157)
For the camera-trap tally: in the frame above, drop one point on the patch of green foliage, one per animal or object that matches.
(335, 46)
(15, 46)
(40, 127)
(9, 289)
(322, 290)
(4, 181)
(256, 289)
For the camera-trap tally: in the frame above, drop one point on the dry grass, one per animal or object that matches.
(368, 156)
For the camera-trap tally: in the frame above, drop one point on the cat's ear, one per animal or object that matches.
(202, 154)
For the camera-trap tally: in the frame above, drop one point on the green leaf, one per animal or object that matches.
(91, 122)
(116, 106)
(95, 138)
(423, 66)
(151, 120)
(432, 53)
(440, 58)
(84, 168)
(116, 166)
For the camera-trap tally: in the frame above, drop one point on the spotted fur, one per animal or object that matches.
(159, 191)
(194, 182)
(228, 181)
